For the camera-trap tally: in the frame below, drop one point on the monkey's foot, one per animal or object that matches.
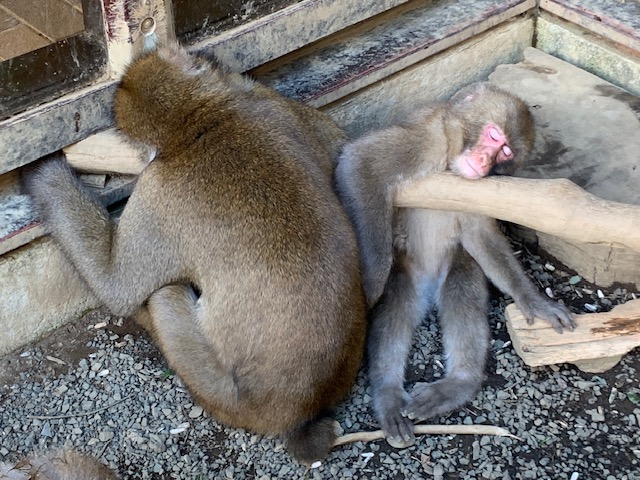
(432, 399)
(397, 428)
(399, 431)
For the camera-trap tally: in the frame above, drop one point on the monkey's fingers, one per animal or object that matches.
(429, 400)
(48, 182)
(559, 317)
(568, 319)
(388, 404)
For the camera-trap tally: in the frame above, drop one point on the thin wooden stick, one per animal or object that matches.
(428, 430)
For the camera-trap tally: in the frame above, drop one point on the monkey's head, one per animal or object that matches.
(169, 91)
(497, 131)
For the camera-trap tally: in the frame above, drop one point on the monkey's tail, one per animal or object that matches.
(313, 440)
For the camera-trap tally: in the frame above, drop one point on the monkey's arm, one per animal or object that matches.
(482, 238)
(113, 267)
(367, 201)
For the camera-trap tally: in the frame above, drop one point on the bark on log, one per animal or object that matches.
(105, 152)
(557, 207)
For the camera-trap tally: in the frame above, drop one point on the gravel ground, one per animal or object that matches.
(98, 385)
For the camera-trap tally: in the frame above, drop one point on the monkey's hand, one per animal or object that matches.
(540, 307)
(43, 180)
(388, 405)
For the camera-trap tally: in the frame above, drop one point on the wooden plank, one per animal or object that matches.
(599, 336)
(105, 152)
(47, 128)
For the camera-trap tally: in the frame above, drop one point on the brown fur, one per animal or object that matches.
(65, 465)
(238, 203)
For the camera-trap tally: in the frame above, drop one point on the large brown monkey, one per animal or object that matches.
(262, 312)
(413, 258)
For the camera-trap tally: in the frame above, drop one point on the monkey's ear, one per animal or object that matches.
(469, 93)
(178, 56)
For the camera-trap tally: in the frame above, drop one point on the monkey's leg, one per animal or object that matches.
(462, 310)
(174, 317)
(171, 316)
(121, 269)
(393, 321)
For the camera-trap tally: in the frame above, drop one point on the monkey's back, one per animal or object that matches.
(272, 253)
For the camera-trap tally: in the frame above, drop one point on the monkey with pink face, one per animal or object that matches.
(413, 259)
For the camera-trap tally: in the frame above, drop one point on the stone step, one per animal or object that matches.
(599, 36)
(344, 65)
(617, 21)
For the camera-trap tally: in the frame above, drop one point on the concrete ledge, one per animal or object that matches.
(618, 21)
(589, 51)
(288, 29)
(40, 291)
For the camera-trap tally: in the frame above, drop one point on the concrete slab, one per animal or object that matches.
(587, 50)
(589, 132)
(39, 291)
(617, 21)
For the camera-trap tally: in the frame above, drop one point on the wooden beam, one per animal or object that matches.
(557, 207)
(105, 152)
(597, 344)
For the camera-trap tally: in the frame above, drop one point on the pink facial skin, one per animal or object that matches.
(492, 148)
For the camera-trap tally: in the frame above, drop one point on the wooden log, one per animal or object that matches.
(597, 344)
(557, 207)
(105, 152)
